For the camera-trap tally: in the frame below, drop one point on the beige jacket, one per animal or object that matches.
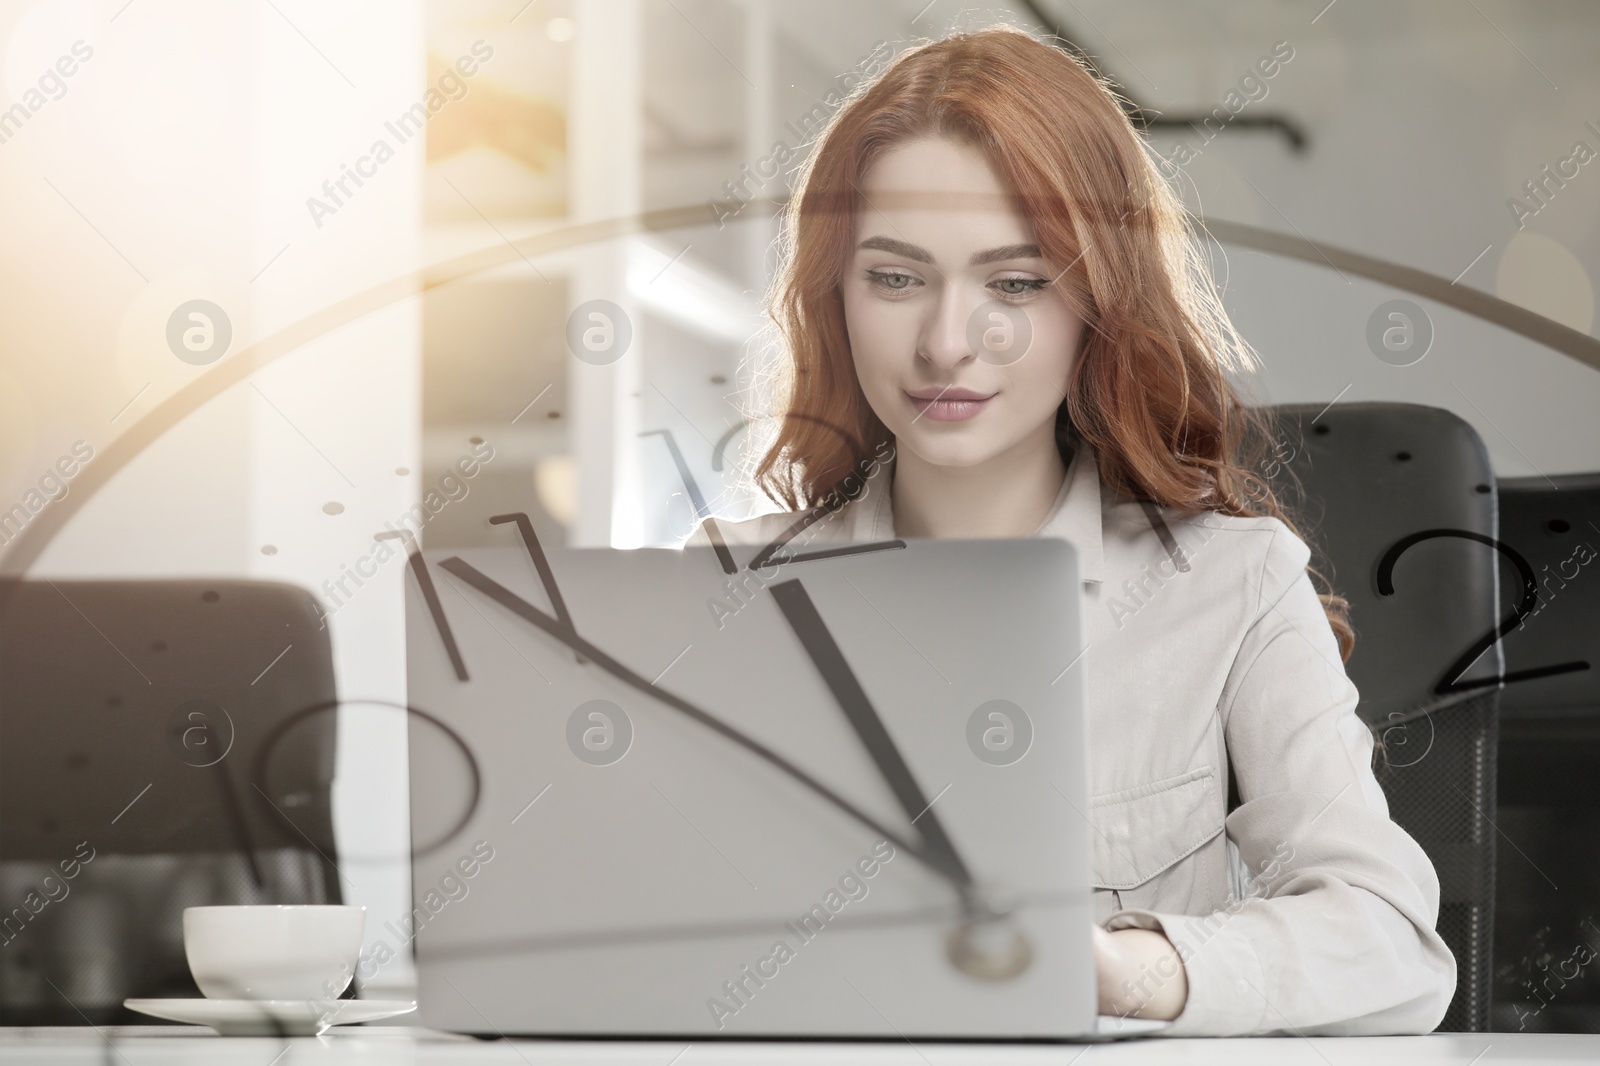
(1205, 640)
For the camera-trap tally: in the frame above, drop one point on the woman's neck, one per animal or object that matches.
(1009, 495)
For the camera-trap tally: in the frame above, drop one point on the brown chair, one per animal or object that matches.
(1549, 755)
(132, 717)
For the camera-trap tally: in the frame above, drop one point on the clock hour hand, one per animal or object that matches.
(802, 616)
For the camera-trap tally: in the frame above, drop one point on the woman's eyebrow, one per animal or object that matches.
(1009, 251)
(922, 255)
(889, 244)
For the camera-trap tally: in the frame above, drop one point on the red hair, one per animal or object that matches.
(1149, 391)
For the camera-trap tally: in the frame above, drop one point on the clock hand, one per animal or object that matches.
(522, 608)
(431, 596)
(845, 549)
(801, 613)
(987, 943)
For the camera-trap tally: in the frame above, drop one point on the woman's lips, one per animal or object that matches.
(947, 410)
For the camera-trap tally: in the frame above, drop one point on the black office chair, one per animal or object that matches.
(1378, 483)
(1549, 753)
(133, 715)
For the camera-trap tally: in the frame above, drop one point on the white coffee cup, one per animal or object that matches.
(273, 952)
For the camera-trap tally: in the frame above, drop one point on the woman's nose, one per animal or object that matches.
(945, 338)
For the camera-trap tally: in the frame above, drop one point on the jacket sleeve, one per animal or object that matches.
(1335, 933)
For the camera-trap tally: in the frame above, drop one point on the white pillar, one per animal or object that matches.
(605, 140)
(760, 128)
(333, 423)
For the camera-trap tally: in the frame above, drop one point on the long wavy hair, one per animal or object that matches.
(1149, 390)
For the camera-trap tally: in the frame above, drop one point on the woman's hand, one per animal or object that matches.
(1139, 974)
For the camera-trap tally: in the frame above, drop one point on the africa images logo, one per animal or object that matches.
(743, 986)
(52, 86)
(451, 86)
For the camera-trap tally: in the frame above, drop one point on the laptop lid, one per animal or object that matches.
(840, 794)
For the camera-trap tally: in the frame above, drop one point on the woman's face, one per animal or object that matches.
(960, 340)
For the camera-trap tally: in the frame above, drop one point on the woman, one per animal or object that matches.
(998, 324)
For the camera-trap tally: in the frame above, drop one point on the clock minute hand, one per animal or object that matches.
(565, 634)
(802, 616)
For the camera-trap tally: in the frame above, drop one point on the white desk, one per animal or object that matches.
(183, 1045)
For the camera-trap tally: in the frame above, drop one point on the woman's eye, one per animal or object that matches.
(891, 280)
(1019, 286)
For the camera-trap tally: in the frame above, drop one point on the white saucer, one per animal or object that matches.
(1114, 1027)
(271, 1017)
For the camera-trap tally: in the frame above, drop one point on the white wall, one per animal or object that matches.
(1424, 119)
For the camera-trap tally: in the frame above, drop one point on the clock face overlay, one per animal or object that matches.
(311, 423)
(468, 610)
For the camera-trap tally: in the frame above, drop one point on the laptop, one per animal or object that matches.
(744, 792)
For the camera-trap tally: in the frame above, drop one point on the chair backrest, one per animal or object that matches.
(1549, 748)
(1398, 500)
(1554, 524)
(152, 753)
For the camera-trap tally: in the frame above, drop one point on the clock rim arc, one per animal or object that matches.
(24, 549)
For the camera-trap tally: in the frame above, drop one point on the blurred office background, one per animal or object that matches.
(396, 324)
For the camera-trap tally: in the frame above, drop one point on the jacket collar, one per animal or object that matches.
(1075, 515)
